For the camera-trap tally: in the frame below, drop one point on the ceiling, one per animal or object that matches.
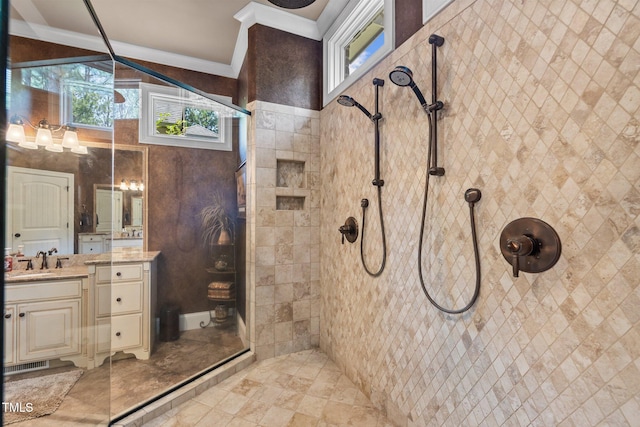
(201, 35)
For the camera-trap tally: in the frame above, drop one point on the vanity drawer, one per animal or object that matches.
(119, 273)
(44, 290)
(121, 333)
(119, 298)
(126, 331)
(91, 248)
(90, 239)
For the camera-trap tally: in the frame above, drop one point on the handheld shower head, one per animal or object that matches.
(402, 76)
(348, 101)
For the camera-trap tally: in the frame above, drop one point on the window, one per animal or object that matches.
(172, 116)
(360, 37)
(86, 91)
(8, 86)
(86, 104)
(364, 44)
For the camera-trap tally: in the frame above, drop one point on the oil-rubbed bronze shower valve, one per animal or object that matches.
(530, 245)
(349, 230)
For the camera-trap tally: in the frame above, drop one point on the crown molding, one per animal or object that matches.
(253, 13)
(56, 35)
(257, 13)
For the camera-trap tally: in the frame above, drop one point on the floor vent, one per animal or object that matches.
(26, 367)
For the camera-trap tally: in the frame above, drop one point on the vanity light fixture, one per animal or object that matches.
(45, 136)
(132, 185)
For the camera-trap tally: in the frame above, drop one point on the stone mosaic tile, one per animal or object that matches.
(542, 113)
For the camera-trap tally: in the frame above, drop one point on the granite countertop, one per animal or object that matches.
(123, 238)
(76, 265)
(123, 255)
(18, 276)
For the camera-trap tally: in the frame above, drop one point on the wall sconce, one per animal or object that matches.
(44, 136)
(132, 185)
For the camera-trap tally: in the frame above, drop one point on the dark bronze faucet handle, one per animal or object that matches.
(29, 263)
(344, 229)
(520, 246)
(349, 230)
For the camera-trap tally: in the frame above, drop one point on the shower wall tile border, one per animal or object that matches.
(286, 276)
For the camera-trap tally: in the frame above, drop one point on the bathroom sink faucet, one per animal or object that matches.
(44, 264)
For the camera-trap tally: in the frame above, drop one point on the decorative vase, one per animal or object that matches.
(221, 263)
(224, 238)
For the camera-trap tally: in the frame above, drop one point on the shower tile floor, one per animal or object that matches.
(133, 381)
(302, 389)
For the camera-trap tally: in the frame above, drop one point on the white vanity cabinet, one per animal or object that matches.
(124, 309)
(43, 321)
(9, 335)
(92, 243)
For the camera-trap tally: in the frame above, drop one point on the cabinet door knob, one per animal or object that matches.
(21, 315)
(118, 274)
(117, 334)
(7, 316)
(118, 299)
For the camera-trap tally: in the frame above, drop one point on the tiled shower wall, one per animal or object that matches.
(283, 201)
(542, 114)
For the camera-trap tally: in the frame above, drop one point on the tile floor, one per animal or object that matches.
(128, 382)
(303, 389)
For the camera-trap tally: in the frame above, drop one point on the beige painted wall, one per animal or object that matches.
(542, 114)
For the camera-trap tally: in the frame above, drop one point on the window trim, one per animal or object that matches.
(351, 20)
(149, 92)
(430, 8)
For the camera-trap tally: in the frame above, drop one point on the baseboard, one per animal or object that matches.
(191, 321)
(188, 321)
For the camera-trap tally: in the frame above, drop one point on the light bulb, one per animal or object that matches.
(70, 139)
(15, 133)
(43, 137)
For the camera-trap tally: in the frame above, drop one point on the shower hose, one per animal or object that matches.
(365, 204)
(476, 292)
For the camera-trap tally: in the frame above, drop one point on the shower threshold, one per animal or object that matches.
(186, 391)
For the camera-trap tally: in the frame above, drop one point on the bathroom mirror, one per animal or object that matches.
(91, 171)
(78, 92)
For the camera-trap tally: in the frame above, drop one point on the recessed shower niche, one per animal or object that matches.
(290, 183)
(290, 174)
